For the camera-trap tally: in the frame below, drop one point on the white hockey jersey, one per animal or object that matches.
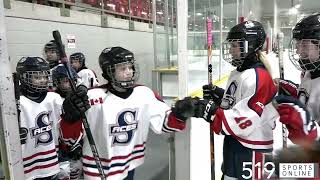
(309, 94)
(120, 129)
(246, 111)
(39, 152)
(88, 78)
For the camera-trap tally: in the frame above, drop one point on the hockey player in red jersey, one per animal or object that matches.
(243, 112)
(40, 112)
(87, 76)
(120, 116)
(69, 151)
(304, 54)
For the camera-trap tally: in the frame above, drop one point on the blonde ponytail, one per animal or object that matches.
(263, 58)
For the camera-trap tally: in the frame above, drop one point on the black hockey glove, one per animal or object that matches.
(76, 104)
(194, 107)
(212, 92)
(23, 134)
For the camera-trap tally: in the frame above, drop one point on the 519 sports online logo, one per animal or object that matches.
(285, 170)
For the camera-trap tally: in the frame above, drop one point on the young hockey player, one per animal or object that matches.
(120, 116)
(244, 113)
(69, 151)
(40, 112)
(61, 79)
(51, 53)
(87, 76)
(304, 54)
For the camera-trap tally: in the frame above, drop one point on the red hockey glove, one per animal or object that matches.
(286, 87)
(296, 118)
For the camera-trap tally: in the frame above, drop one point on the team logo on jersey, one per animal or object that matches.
(124, 130)
(303, 96)
(229, 99)
(42, 132)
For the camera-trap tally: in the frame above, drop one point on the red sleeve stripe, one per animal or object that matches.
(157, 95)
(172, 124)
(265, 91)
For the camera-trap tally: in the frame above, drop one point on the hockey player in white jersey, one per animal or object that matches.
(87, 76)
(245, 114)
(40, 112)
(304, 54)
(120, 116)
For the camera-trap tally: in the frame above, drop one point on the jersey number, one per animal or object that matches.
(243, 122)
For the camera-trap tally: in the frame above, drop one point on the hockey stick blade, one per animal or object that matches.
(57, 37)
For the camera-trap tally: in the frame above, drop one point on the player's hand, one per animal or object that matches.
(286, 87)
(76, 104)
(194, 107)
(292, 112)
(23, 134)
(212, 92)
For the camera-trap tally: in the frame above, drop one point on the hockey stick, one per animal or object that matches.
(22, 130)
(280, 37)
(64, 61)
(209, 45)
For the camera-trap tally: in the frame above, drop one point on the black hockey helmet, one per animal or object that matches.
(304, 46)
(51, 53)
(110, 58)
(60, 76)
(78, 56)
(248, 37)
(34, 73)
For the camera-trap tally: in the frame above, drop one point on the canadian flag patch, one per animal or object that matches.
(96, 101)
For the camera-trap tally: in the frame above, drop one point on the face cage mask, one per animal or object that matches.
(63, 84)
(304, 54)
(43, 78)
(123, 84)
(235, 51)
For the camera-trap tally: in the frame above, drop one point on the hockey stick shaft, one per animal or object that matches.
(17, 95)
(64, 61)
(281, 73)
(209, 45)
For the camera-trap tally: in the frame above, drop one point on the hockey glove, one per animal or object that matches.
(286, 87)
(296, 118)
(184, 109)
(23, 134)
(212, 92)
(193, 107)
(76, 104)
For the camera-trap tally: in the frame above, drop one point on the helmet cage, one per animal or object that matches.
(305, 53)
(230, 52)
(30, 78)
(63, 84)
(111, 74)
(77, 57)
